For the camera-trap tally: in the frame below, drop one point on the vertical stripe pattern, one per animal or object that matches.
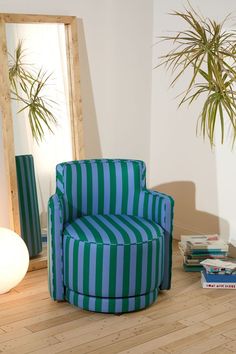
(111, 305)
(133, 256)
(110, 238)
(159, 208)
(92, 187)
(55, 247)
(28, 204)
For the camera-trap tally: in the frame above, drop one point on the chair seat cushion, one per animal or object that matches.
(113, 229)
(113, 256)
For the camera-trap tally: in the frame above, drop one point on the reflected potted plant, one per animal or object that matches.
(208, 51)
(28, 87)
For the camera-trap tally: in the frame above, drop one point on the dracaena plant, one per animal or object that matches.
(28, 87)
(208, 51)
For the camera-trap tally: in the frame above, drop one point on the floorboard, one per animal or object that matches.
(185, 320)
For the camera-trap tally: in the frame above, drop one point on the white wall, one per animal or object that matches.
(116, 59)
(116, 86)
(202, 181)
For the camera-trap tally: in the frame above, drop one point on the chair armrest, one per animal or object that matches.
(159, 207)
(55, 246)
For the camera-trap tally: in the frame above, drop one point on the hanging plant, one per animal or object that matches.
(208, 51)
(27, 87)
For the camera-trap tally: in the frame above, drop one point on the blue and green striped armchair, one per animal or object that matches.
(109, 237)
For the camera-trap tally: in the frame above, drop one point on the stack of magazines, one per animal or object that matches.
(196, 248)
(218, 274)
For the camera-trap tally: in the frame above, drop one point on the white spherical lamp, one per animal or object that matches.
(14, 259)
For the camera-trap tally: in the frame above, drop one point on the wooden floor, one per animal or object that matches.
(186, 319)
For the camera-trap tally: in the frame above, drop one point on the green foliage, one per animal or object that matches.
(27, 87)
(209, 51)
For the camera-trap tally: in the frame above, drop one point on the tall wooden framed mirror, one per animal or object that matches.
(75, 119)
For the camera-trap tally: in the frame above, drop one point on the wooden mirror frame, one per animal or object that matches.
(76, 118)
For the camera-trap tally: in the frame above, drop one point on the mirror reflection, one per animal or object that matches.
(41, 116)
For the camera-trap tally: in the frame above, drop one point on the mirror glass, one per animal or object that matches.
(38, 53)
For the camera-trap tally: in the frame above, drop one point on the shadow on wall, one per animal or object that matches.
(91, 134)
(187, 219)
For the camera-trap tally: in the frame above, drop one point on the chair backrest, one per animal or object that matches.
(104, 186)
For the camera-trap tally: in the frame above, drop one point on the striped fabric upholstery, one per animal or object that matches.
(55, 249)
(110, 238)
(113, 229)
(159, 207)
(28, 204)
(92, 187)
(111, 305)
(113, 256)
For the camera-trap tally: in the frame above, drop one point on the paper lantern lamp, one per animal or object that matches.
(14, 259)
